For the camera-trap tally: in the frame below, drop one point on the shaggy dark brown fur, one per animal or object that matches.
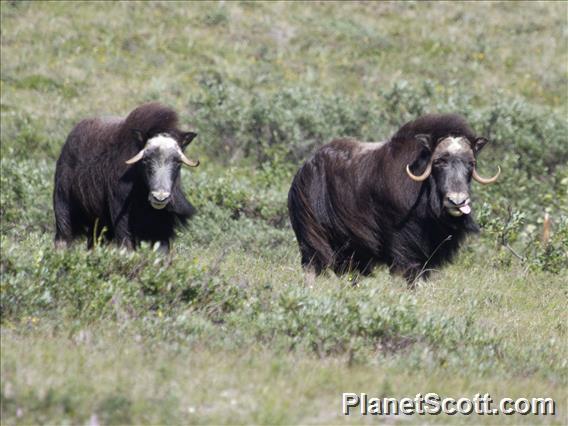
(96, 190)
(352, 205)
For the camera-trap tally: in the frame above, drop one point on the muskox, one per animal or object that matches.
(404, 202)
(120, 178)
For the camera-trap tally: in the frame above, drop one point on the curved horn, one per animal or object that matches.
(423, 176)
(190, 163)
(136, 158)
(486, 181)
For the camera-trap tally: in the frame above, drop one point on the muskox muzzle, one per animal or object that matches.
(457, 203)
(159, 199)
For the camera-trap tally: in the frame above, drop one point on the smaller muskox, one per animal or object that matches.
(404, 202)
(120, 178)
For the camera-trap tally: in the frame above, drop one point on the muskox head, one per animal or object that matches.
(452, 165)
(161, 158)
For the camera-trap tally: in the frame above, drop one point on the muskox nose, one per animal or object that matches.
(160, 195)
(458, 198)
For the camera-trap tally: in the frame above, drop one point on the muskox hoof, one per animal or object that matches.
(309, 277)
(61, 244)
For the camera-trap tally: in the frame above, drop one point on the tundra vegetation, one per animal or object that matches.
(223, 330)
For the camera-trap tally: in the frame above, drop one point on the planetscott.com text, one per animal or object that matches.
(433, 404)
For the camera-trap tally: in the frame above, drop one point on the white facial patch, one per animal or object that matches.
(163, 142)
(159, 149)
(453, 145)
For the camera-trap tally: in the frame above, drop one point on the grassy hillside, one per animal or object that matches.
(224, 330)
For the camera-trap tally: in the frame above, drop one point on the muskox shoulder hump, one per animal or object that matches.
(339, 149)
(437, 126)
(152, 118)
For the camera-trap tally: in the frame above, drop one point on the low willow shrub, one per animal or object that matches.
(180, 299)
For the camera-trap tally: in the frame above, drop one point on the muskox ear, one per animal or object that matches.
(139, 136)
(422, 162)
(186, 138)
(425, 140)
(478, 144)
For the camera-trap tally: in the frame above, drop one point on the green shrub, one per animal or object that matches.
(111, 284)
(25, 198)
(517, 242)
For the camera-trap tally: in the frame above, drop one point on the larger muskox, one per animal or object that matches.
(404, 202)
(121, 177)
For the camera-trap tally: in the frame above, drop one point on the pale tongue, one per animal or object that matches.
(465, 209)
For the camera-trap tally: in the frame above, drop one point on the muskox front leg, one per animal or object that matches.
(122, 234)
(126, 243)
(164, 246)
(61, 244)
(415, 277)
(413, 273)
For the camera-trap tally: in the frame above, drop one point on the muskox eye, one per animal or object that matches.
(440, 162)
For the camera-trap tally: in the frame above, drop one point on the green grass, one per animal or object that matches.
(224, 330)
